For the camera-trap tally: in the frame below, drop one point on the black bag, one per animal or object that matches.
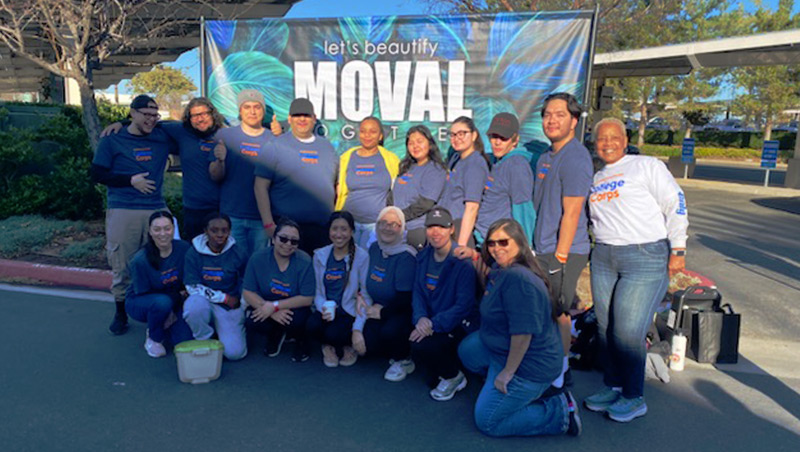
(714, 336)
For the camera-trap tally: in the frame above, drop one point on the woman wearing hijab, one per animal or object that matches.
(390, 280)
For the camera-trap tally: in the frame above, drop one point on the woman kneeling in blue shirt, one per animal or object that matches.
(279, 287)
(518, 346)
(156, 293)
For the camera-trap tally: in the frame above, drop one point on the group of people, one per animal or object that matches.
(468, 263)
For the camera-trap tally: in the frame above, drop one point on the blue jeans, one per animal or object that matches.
(153, 309)
(521, 412)
(628, 283)
(249, 234)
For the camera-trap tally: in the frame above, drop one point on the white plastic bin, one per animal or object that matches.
(199, 361)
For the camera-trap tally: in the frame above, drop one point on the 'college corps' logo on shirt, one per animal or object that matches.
(377, 274)
(489, 183)
(169, 276)
(143, 154)
(310, 157)
(207, 145)
(404, 179)
(606, 191)
(213, 274)
(334, 274)
(249, 149)
(280, 288)
(543, 172)
(365, 170)
(431, 281)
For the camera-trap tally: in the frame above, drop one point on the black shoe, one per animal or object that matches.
(575, 427)
(273, 347)
(119, 325)
(568, 381)
(552, 391)
(300, 354)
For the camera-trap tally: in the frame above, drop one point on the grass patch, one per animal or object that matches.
(710, 152)
(27, 233)
(85, 249)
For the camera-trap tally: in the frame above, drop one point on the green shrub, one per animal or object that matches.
(710, 152)
(84, 249)
(22, 234)
(173, 195)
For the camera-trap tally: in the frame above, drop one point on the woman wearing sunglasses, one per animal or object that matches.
(341, 271)
(468, 172)
(420, 183)
(509, 189)
(279, 287)
(518, 347)
(390, 279)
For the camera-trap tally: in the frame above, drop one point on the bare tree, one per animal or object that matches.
(73, 38)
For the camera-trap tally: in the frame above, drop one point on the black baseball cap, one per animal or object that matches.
(301, 106)
(504, 124)
(439, 216)
(143, 101)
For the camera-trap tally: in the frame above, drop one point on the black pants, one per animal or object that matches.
(338, 333)
(389, 336)
(313, 236)
(193, 221)
(563, 283)
(274, 330)
(438, 355)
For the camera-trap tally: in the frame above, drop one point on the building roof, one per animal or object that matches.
(18, 74)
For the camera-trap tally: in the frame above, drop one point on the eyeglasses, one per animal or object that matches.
(502, 243)
(149, 115)
(283, 239)
(392, 225)
(205, 114)
(460, 134)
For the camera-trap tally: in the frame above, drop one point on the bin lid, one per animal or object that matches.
(190, 346)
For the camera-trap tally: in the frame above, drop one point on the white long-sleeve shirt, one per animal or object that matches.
(636, 200)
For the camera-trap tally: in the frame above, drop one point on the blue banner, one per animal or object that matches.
(687, 152)
(769, 155)
(405, 70)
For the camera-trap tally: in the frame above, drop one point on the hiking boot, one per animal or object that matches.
(447, 388)
(626, 410)
(119, 325)
(600, 401)
(300, 353)
(575, 426)
(154, 349)
(398, 370)
(274, 346)
(329, 356)
(349, 356)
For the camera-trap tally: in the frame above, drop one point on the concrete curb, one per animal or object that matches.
(739, 188)
(87, 278)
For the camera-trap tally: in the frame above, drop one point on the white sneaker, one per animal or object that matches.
(398, 370)
(448, 388)
(154, 349)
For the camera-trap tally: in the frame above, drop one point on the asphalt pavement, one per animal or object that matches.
(67, 385)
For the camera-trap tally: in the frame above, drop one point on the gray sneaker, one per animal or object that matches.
(602, 400)
(626, 410)
(398, 370)
(447, 388)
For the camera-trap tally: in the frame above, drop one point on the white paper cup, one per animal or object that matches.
(329, 306)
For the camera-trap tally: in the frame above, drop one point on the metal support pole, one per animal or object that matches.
(766, 178)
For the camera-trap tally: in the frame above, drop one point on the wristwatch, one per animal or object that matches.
(679, 253)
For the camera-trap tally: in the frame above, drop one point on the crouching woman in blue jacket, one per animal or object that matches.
(444, 309)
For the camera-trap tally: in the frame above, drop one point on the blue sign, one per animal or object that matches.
(687, 153)
(769, 155)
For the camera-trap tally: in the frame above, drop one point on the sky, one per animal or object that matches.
(189, 62)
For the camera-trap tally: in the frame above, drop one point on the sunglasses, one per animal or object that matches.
(283, 239)
(502, 243)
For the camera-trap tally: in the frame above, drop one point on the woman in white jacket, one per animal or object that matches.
(341, 272)
(639, 220)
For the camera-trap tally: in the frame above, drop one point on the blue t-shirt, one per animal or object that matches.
(124, 153)
(426, 181)
(510, 182)
(237, 197)
(335, 270)
(515, 302)
(432, 273)
(264, 277)
(199, 191)
(368, 183)
(221, 272)
(302, 175)
(166, 279)
(564, 173)
(390, 277)
(465, 183)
